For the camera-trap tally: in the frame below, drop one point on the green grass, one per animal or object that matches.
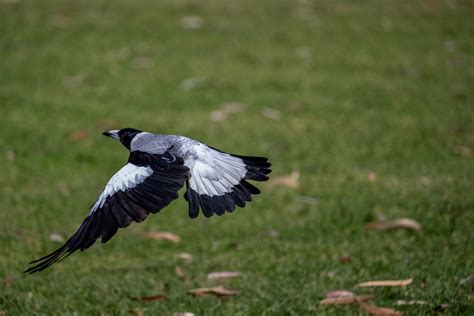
(380, 86)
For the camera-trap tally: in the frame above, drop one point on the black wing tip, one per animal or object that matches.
(219, 205)
(50, 259)
(257, 168)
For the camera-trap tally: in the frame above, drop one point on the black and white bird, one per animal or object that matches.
(157, 168)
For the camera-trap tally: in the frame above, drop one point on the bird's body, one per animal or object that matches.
(158, 167)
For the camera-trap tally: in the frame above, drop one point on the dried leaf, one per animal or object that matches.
(151, 298)
(467, 280)
(183, 314)
(426, 180)
(73, 81)
(11, 155)
(406, 223)
(163, 236)
(270, 233)
(136, 312)
(185, 256)
(80, 135)
(224, 275)
(192, 22)
(8, 282)
(441, 307)
(386, 283)
(371, 176)
(345, 259)
(346, 299)
(192, 83)
(219, 291)
(291, 181)
(339, 293)
(429, 6)
(226, 111)
(462, 151)
(415, 302)
(378, 311)
(56, 237)
(180, 272)
(270, 113)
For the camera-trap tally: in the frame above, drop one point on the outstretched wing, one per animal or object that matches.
(218, 180)
(146, 184)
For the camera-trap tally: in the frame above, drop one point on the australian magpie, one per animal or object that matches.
(157, 168)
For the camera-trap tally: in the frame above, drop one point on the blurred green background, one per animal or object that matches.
(371, 101)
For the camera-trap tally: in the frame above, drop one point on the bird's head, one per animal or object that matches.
(125, 135)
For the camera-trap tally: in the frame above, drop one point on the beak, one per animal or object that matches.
(112, 133)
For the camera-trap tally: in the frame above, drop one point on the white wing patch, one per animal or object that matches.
(126, 178)
(214, 173)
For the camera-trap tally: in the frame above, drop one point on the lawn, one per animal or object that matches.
(371, 101)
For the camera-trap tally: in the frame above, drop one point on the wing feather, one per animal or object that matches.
(217, 180)
(145, 185)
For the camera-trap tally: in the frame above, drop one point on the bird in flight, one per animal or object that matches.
(157, 168)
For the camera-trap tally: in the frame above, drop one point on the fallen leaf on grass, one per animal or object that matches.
(11, 155)
(183, 314)
(163, 236)
(224, 275)
(151, 298)
(426, 180)
(8, 282)
(192, 22)
(180, 272)
(271, 113)
(56, 237)
(185, 256)
(80, 135)
(371, 176)
(429, 6)
(406, 223)
(291, 181)
(462, 151)
(343, 300)
(378, 311)
(270, 233)
(136, 312)
(345, 259)
(219, 291)
(386, 283)
(226, 111)
(73, 81)
(339, 293)
(415, 302)
(467, 280)
(441, 307)
(191, 83)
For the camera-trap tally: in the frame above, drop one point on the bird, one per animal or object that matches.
(158, 166)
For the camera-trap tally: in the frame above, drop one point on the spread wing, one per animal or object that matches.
(146, 184)
(218, 180)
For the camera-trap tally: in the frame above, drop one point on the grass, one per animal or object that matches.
(366, 86)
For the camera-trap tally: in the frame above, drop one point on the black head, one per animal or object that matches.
(125, 136)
